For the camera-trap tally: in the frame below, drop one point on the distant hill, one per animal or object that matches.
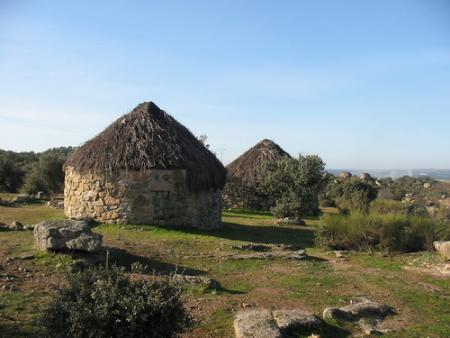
(438, 174)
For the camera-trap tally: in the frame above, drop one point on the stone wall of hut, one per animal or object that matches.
(237, 195)
(159, 197)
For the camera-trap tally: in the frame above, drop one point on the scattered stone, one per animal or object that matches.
(194, 280)
(336, 313)
(290, 247)
(291, 255)
(22, 199)
(290, 221)
(255, 324)
(368, 328)
(28, 227)
(253, 247)
(443, 248)
(66, 235)
(295, 320)
(40, 195)
(26, 256)
(362, 308)
(15, 226)
(56, 203)
(341, 254)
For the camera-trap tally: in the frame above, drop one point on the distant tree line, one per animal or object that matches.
(30, 172)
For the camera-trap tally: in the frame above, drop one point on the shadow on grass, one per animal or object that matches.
(16, 329)
(326, 330)
(256, 234)
(122, 258)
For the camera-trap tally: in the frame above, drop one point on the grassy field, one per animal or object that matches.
(421, 301)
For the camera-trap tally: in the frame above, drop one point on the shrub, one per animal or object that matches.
(104, 302)
(349, 195)
(385, 206)
(391, 232)
(11, 175)
(356, 195)
(46, 175)
(295, 185)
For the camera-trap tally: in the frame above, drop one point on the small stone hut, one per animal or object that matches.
(243, 187)
(145, 168)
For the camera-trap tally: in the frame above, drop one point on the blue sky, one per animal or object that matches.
(364, 84)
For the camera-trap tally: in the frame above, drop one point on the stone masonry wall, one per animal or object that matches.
(159, 197)
(240, 196)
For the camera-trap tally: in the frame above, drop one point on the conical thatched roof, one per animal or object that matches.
(246, 169)
(149, 138)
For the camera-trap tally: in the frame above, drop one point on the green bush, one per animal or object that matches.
(11, 175)
(295, 184)
(349, 195)
(104, 302)
(46, 175)
(385, 206)
(390, 232)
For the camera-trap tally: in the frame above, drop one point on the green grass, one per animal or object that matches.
(312, 284)
(29, 214)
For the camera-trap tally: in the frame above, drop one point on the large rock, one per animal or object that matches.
(295, 320)
(362, 308)
(255, 324)
(66, 235)
(443, 248)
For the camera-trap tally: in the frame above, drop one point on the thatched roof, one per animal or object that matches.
(246, 169)
(149, 138)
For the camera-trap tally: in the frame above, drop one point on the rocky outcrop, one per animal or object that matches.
(361, 308)
(255, 323)
(443, 248)
(289, 255)
(295, 320)
(290, 221)
(13, 226)
(66, 235)
(260, 323)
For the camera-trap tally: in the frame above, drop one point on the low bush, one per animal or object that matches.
(385, 206)
(390, 232)
(104, 302)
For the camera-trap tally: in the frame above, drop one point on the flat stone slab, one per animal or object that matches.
(255, 324)
(362, 308)
(290, 255)
(443, 248)
(290, 221)
(66, 235)
(194, 280)
(295, 320)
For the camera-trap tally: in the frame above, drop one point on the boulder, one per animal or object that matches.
(255, 324)
(443, 248)
(194, 280)
(289, 255)
(15, 226)
(295, 320)
(290, 221)
(362, 308)
(66, 235)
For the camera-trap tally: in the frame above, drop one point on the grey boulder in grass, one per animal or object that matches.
(443, 248)
(66, 235)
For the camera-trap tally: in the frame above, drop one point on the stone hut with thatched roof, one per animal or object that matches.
(245, 174)
(145, 168)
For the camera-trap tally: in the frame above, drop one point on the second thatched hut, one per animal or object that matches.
(245, 174)
(145, 168)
